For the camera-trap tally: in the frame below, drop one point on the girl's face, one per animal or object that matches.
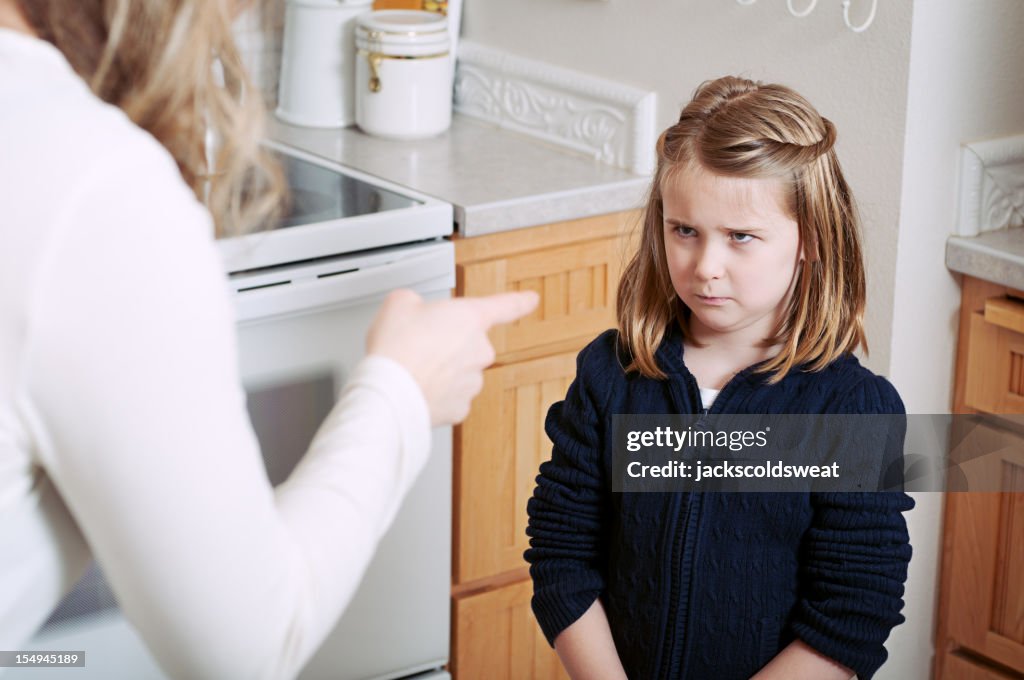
(732, 250)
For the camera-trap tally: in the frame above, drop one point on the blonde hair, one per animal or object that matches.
(173, 68)
(740, 128)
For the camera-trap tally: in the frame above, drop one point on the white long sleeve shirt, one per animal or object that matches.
(123, 428)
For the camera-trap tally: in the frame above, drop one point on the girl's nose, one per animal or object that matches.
(710, 263)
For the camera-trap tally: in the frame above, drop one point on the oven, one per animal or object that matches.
(305, 294)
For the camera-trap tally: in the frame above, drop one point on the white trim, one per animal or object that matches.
(991, 186)
(613, 123)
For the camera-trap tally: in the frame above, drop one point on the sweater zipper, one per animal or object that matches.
(673, 611)
(683, 543)
(680, 571)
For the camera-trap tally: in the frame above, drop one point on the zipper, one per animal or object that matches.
(673, 615)
(679, 574)
(685, 538)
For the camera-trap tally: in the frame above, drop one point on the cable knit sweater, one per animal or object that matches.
(713, 585)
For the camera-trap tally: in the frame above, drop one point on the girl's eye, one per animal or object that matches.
(686, 231)
(740, 237)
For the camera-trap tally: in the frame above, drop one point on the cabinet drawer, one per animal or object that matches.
(577, 284)
(499, 449)
(995, 358)
(496, 637)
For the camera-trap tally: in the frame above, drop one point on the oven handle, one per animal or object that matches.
(430, 270)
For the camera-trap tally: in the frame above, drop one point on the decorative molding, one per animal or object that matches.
(613, 123)
(991, 186)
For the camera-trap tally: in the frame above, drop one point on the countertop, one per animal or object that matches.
(996, 256)
(496, 179)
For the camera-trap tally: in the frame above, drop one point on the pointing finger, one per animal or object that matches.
(504, 307)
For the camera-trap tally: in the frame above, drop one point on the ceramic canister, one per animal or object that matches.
(403, 74)
(317, 86)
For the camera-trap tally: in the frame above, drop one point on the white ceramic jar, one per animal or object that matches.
(317, 86)
(403, 74)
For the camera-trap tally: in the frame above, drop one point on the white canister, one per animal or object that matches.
(403, 74)
(318, 54)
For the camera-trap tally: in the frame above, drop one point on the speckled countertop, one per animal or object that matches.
(496, 180)
(996, 256)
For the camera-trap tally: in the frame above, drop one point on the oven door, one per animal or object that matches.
(298, 345)
(301, 330)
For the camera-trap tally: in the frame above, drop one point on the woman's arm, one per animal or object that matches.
(133, 399)
(587, 649)
(131, 392)
(800, 662)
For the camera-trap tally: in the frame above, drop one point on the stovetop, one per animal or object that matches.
(322, 194)
(335, 210)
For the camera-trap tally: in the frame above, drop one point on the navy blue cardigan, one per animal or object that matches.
(713, 585)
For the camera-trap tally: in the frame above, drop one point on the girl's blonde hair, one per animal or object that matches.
(740, 128)
(173, 67)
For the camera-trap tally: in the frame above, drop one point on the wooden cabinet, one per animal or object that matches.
(994, 382)
(981, 602)
(575, 267)
(501, 447)
(962, 669)
(496, 637)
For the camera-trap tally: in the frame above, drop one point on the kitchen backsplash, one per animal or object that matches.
(991, 185)
(608, 121)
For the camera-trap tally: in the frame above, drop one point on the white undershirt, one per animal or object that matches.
(123, 427)
(708, 396)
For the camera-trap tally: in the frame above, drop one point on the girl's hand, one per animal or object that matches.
(444, 344)
(587, 649)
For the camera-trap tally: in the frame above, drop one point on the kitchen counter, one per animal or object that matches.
(996, 256)
(497, 180)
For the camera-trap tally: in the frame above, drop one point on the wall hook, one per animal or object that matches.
(808, 10)
(867, 22)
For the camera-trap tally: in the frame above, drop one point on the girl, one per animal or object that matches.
(746, 295)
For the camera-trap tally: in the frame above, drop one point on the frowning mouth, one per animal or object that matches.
(712, 301)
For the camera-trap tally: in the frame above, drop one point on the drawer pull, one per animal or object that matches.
(1006, 313)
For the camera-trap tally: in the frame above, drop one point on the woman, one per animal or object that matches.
(123, 429)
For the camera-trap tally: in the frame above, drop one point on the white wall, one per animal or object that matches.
(858, 81)
(966, 58)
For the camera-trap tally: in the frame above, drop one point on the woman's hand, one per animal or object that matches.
(444, 344)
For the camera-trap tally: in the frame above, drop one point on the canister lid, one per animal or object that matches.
(404, 22)
(328, 4)
(402, 32)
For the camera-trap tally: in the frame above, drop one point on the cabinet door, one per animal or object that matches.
(577, 284)
(995, 359)
(498, 451)
(958, 668)
(497, 638)
(986, 556)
